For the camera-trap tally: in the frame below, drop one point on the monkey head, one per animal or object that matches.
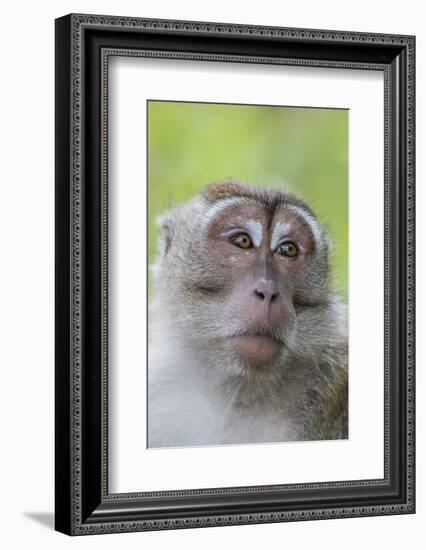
(243, 272)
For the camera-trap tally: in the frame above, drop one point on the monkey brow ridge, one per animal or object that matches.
(272, 200)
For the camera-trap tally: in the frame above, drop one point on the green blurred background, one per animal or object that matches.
(302, 150)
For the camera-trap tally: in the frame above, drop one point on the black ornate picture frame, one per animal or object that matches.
(84, 44)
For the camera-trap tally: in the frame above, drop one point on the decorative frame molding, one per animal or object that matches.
(84, 43)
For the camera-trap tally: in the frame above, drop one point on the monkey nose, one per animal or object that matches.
(266, 291)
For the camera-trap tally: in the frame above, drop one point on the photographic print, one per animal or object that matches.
(248, 274)
(207, 178)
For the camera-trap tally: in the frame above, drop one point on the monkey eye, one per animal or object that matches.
(242, 240)
(287, 248)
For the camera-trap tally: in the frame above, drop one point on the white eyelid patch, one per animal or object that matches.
(310, 221)
(255, 230)
(280, 230)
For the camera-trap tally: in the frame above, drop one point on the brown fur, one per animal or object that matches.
(222, 190)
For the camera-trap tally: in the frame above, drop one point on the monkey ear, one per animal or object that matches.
(167, 232)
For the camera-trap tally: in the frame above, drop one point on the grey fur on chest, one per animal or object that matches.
(184, 411)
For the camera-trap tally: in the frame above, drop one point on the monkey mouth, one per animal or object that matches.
(257, 347)
(258, 333)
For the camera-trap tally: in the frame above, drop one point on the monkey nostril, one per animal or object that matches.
(259, 294)
(265, 295)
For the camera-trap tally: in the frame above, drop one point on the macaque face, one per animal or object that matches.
(247, 326)
(258, 262)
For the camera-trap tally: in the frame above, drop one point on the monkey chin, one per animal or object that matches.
(257, 350)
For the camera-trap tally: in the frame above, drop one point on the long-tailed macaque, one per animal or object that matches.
(248, 341)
